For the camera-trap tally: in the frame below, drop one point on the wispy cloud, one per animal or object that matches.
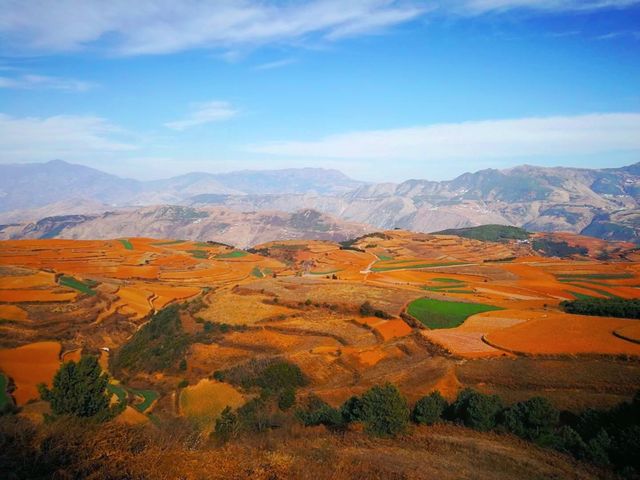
(275, 64)
(158, 26)
(474, 141)
(621, 34)
(207, 112)
(479, 7)
(30, 82)
(61, 136)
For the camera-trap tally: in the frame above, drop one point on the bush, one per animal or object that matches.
(428, 410)
(476, 410)
(530, 419)
(351, 410)
(227, 425)
(254, 416)
(384, 411)
(318, 412)
(80, 390)
(287, 398)
(275, 376)
(367, 310)
(565, 439)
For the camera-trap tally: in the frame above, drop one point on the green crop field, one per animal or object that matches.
(170, 242)
(202, 254)
(414, 267)
(126, 243)
(597, 290)
(446, 280)
(328, 272)
(440, 314)
(71, 282)
(581, 296)
(593, 276)
(118, 391)
(234, 254)
(384, 257)
(148, 397)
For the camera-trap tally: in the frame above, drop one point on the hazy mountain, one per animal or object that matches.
(32, 185)
(28, 186)
(241, 229)
(603, 203)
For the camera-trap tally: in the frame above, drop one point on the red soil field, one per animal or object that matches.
(30, 365)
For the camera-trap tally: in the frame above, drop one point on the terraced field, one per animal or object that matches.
(303, 301)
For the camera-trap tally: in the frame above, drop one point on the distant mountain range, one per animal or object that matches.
(603, 203)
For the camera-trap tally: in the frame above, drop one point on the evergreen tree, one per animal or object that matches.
(428, 410)
(384, 411)
(79, 389)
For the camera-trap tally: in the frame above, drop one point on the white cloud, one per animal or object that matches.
(45, 82)
(275, 64)
(207, 112)
(476, 7)
(161, 26)
(62, 136)
(471, 141)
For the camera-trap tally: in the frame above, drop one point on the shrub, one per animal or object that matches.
(318, 412)
(565, 439)
(279, 376)
(476, 410)
(254, 416)
(287, 398)
(80, 390)
(367, 310)
(227, 425)
(384, 411)
(530, 419)
(429, 409)
(184, 383)
(351, 410)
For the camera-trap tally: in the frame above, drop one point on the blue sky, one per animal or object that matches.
(380, 89)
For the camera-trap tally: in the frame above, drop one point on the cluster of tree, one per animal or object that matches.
(276, 379)
(605, 437)
(368, 310)
(382, 410)
(604, 307)
(278, 383)
(489, 233)
(557, 249)
(158, 346)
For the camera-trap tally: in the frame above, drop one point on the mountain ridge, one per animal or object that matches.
(599, 202)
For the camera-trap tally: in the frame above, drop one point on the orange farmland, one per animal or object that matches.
(348, 315)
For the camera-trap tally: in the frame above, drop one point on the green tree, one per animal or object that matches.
(428, 410)
(318, 412)
(385, 412)
(351, 410)
(476, 410)
(530, 419)
(79, 389)
(287, 398)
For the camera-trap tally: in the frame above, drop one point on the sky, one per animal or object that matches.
(382, 90)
